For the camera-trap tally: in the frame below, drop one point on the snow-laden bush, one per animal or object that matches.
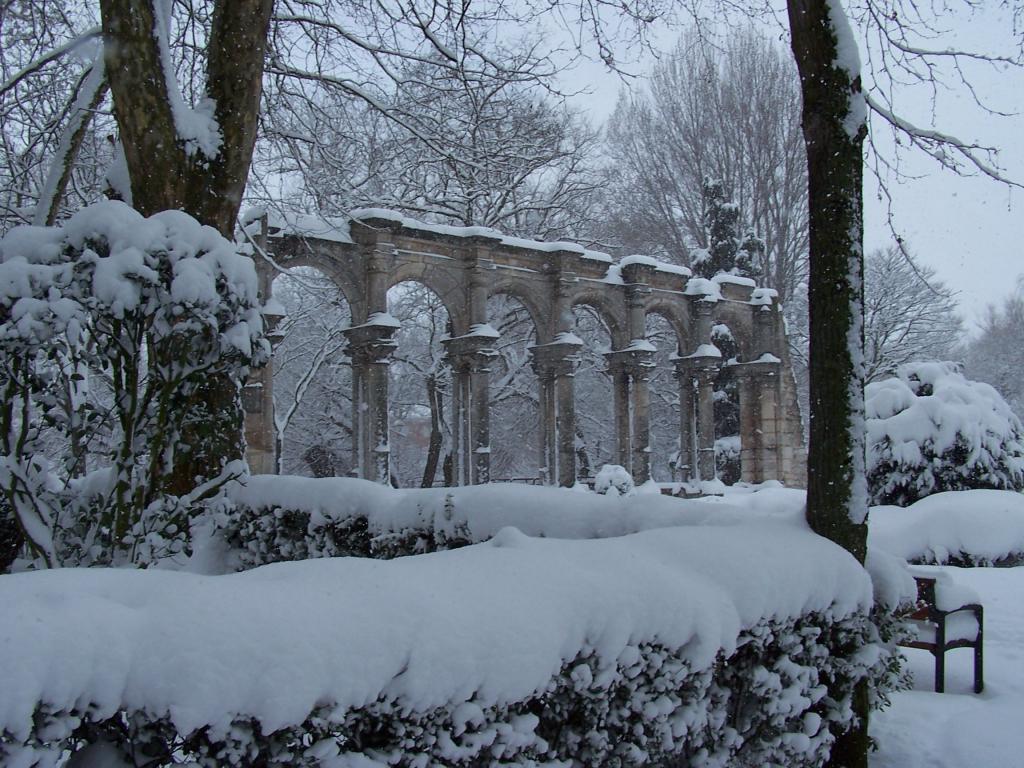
(274, 518)
(613, 480)
(929, 429)
(148, 310)
(704, 647)
(980, 527)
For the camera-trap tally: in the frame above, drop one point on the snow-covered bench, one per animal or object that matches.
(947, 616)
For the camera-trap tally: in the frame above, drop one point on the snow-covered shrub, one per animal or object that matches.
(981, 527)
(151, 308)
(727, 459)
(930, 429)
(764, 705)
(613, 480)
(636, 655)
(275, 518)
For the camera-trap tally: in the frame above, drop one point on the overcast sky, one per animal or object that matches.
(970, 230)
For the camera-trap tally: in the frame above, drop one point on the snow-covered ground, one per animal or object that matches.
(959, 729)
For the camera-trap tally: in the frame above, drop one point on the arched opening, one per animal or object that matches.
(664, 400)
(515, 408)
(312, 377)
(419, 387)
(596, 440)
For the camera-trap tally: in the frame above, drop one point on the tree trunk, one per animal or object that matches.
(836, 502)
(435, 399)
(166, 173)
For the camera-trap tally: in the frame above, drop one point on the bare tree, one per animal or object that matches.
(995, 355)
(505, 156)
(728, 113)
(908, 314)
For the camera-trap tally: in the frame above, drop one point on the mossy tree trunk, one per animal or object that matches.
(166, 174)
(834, 135)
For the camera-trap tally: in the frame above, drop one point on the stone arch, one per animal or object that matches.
(464, 267)
(446, 284)
(304, 439)
(675, 313)
(738, 317)
(416, 406)
(346, 277)
(515, 406)
(527, 295)
(609, 308)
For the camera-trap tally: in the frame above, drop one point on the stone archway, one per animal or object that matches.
(374, 249)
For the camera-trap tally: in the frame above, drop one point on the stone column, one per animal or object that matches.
(687, 420)
(750, 432)
(630, 369)
(620, 406)
(370, 346)
(470, 359)
(548, 462)
(706, 422)
(555, 366)
(760, 419)
(258, 390)
(700, 369)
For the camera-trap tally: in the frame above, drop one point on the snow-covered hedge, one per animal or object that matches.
(273, 518)
(968, 528)
(929, 430)
(704, 646)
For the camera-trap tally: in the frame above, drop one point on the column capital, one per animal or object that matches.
(705, 363)
(372, 342)
(764, 367)
(556, 358)
(472, 352)
(637, 359)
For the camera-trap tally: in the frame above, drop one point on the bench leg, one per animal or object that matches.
(940, 671)
(979, 670)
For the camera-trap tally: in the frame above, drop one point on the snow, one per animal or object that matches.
(721, 329)
(362, 214)
(485, 330)
(614, 275)
(768, 357)
(333, 229)
(763, 297)
(658, 264)
(640, 345)
(848, 60)
(382, 320)
(196, 126)
(928, 409)
(349, 631)
(958, 729)
(723, 278)
(985, 524)
(699, 286)
(705, 350)
(568, 337)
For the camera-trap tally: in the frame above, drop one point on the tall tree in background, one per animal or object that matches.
(726, 250)
(727, 110)
(908, 314)
(996, 355)
(513, 159)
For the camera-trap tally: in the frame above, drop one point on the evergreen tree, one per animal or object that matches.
(726, 250)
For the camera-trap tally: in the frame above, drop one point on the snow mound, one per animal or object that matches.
(976, 527)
